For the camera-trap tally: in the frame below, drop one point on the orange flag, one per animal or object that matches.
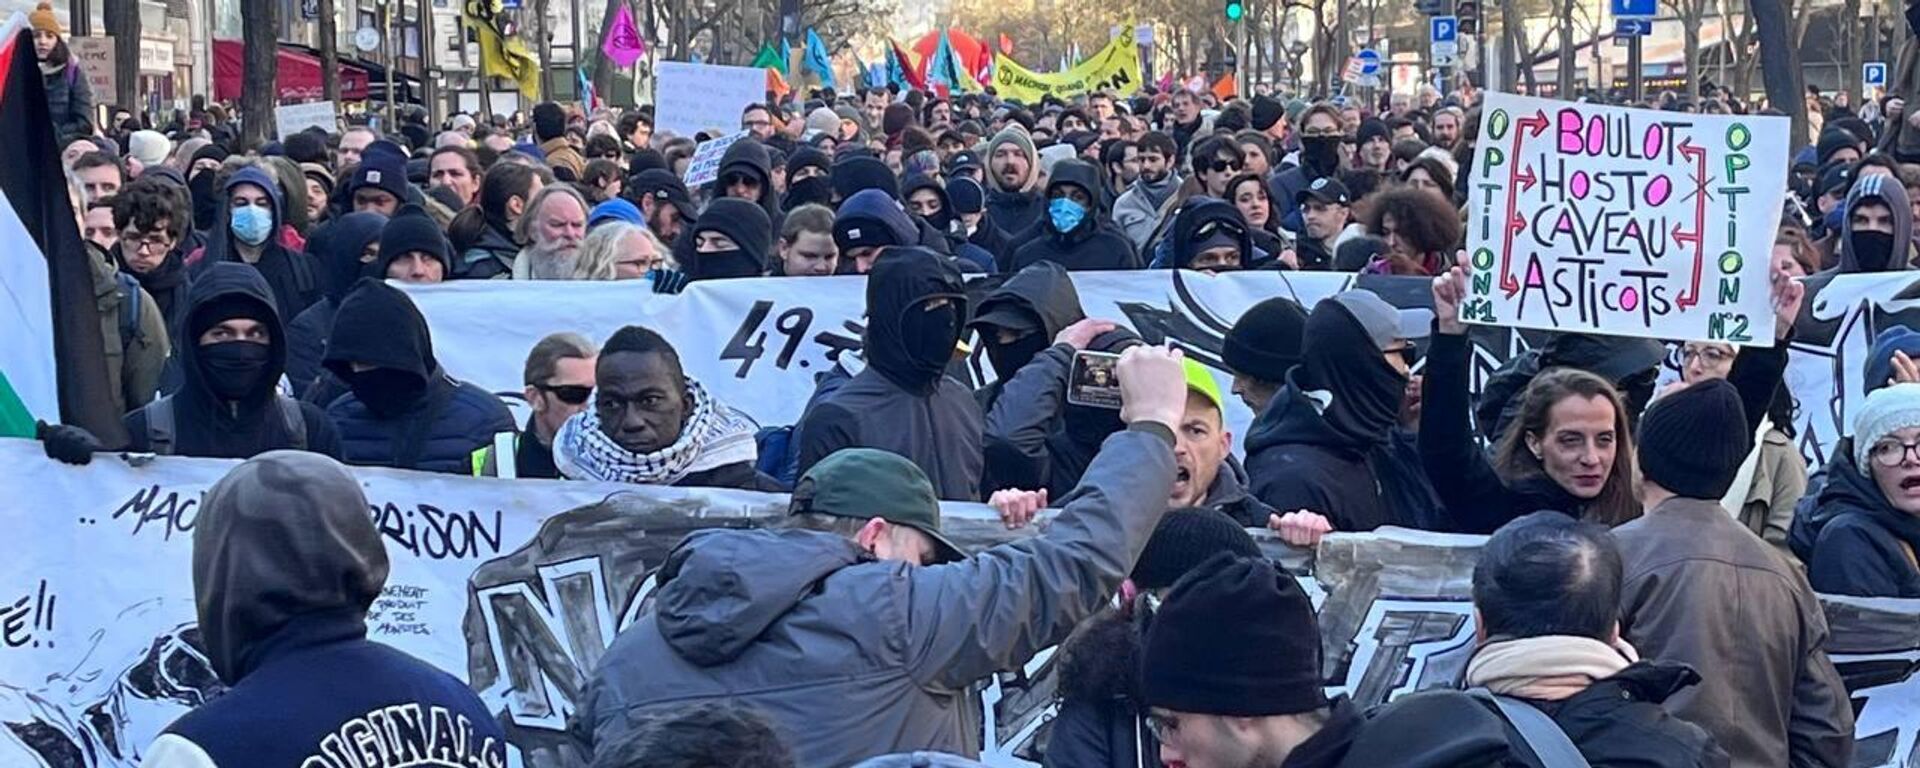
(777, 85)
(1226, 87)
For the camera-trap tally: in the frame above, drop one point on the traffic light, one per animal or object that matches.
(1236, 9)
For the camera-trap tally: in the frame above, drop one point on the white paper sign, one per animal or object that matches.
(95, 56)
(1624, 221)
(704, 167)
(294, 118)
(702, 97)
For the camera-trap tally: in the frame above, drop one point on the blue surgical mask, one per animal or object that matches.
(1066, 214)
(253, 224)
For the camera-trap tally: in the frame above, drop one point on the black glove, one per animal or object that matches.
(67, 444)
(668, 280)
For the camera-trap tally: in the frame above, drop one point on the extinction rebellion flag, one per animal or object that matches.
(52, 359)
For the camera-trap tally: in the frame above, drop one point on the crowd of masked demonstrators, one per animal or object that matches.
(1647, 596)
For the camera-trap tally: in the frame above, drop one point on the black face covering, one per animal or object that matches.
(929, 336)
(1872, 251)
(1320, 155)
(817, 190)
(733, 262)
(206, 202)
(387, 392)
(1342, 359)
(234, 369)
(1008, 359)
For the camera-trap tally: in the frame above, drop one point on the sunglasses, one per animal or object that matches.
(1225, 165)
(1210, 228)
(740, 179)
(569, 394)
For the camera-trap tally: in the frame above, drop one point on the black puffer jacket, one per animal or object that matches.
(436, 430)
(1618, 721)
(1862, 545)
(1093, 244)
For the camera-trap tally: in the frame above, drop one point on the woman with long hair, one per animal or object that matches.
(1420, 229)
(1248, 192)
(69, 98)
(483, 234)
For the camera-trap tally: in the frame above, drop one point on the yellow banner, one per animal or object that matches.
(1116, 68)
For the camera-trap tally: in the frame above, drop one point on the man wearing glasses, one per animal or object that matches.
(757, 119)
(559, 380)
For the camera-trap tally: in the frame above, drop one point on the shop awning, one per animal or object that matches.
(299, 76)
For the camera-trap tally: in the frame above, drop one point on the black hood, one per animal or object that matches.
(1849, 490)
(1085, 176)
(944, 219)
(284, 557)
(749, 156)
(909, 346)
(745, 224)
(1196, 215)
(220, 290)
(338, 246)
(1041, 298)
(211, 425)
(378, 325)
(1339, 357)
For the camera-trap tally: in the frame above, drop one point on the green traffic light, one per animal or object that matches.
(1235, 10)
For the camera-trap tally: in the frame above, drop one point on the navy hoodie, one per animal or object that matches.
(1092, 244)
(285, 564)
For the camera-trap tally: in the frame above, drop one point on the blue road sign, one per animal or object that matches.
(1635, 7)
(1632, 27)
(1369, 61)
(1874, 74)
(1445, 29)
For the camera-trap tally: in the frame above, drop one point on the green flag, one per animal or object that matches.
(770, 59)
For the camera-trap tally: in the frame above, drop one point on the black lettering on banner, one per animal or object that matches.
(23, 621)
(167, 512)
(436, 534)
(749, 342)
(398, 611)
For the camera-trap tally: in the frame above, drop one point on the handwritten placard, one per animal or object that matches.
(1624, 221)
(95, 55)
(294, 118)
(698, 97)
(704, 167)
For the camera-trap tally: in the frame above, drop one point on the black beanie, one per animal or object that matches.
(1833, 140)
(966, 195)
(808, 157)
(1266, 340)
(853, 174)
(1236, 637)
(410, 230)
(743, 222)
(212, 152)
(1692, 442)
(1267, 110)
(1183, 540)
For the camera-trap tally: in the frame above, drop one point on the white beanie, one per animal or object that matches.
(1886, 411)
(149, 147)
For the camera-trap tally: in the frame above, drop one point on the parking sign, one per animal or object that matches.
(1445, 29)
(1873, 74)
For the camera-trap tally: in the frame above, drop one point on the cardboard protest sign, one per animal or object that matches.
(294, 118)
(1624, 221)
(704, 167)
(697, 97)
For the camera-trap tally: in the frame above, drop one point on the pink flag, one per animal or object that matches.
(623, 44)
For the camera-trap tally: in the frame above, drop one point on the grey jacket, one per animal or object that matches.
(852, 657)
(1701, 589)
(1136, 213)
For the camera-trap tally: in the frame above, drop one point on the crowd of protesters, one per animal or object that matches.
(1646, 598)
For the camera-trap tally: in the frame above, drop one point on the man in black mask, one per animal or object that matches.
(1320, 135)
(348, 248)
(202, 173)
(904, 402)
(1877, 233)
(809, 179)
(1326, 443)
(404, 411)
(232, 352)
(731, 238)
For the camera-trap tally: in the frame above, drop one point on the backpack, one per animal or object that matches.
(129, 290)
(1542, 735)
(160, 424)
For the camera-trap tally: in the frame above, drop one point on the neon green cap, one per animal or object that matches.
(1200, 380)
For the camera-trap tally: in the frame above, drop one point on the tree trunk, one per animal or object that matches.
(1509, 74)
(603, 67)
(1850, 42)
(123, 25)
(1780, 65)
(329, 53)
(544, 48)
(259, 89)
(1690, 32)
(1743, 70)
(1564, 66)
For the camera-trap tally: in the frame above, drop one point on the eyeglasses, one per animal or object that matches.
(133, 240)
(1891, 454)
(752, 124)
(571, 394)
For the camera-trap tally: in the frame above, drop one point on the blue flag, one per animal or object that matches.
(817, 59)
(945, 67)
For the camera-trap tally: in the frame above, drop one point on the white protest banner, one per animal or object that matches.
(517, 587)
(704, 167)
(294, 118)
(1635, 222)
(95, 56)
(702, 97)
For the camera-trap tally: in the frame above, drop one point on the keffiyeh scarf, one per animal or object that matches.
(714, 436)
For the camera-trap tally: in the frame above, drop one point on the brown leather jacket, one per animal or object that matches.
(1703, 590)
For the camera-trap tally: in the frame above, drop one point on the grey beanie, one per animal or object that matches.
(1885, 412)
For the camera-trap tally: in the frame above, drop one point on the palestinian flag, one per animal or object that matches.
(53, 364)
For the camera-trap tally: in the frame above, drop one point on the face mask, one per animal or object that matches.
(1008, 359)
(386, 391)
(1320, 154)
(816, 190)
(205, 200)
(252, 224)
(732, 262)
(234, 369)
(1872, 251)
(929, 336)
(1066, 214)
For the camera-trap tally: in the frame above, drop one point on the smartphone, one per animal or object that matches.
(1094, 382)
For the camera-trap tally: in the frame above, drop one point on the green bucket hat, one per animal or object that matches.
(864, 483)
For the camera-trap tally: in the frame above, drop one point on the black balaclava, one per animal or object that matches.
(1341, 357)
(906, 343)
(1320, 155)
(206, 200)
(233, 370)
(743, 222)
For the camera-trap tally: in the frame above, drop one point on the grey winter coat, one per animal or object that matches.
(852, 657)
(69, 102)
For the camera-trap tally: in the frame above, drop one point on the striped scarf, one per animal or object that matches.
(714, 436)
